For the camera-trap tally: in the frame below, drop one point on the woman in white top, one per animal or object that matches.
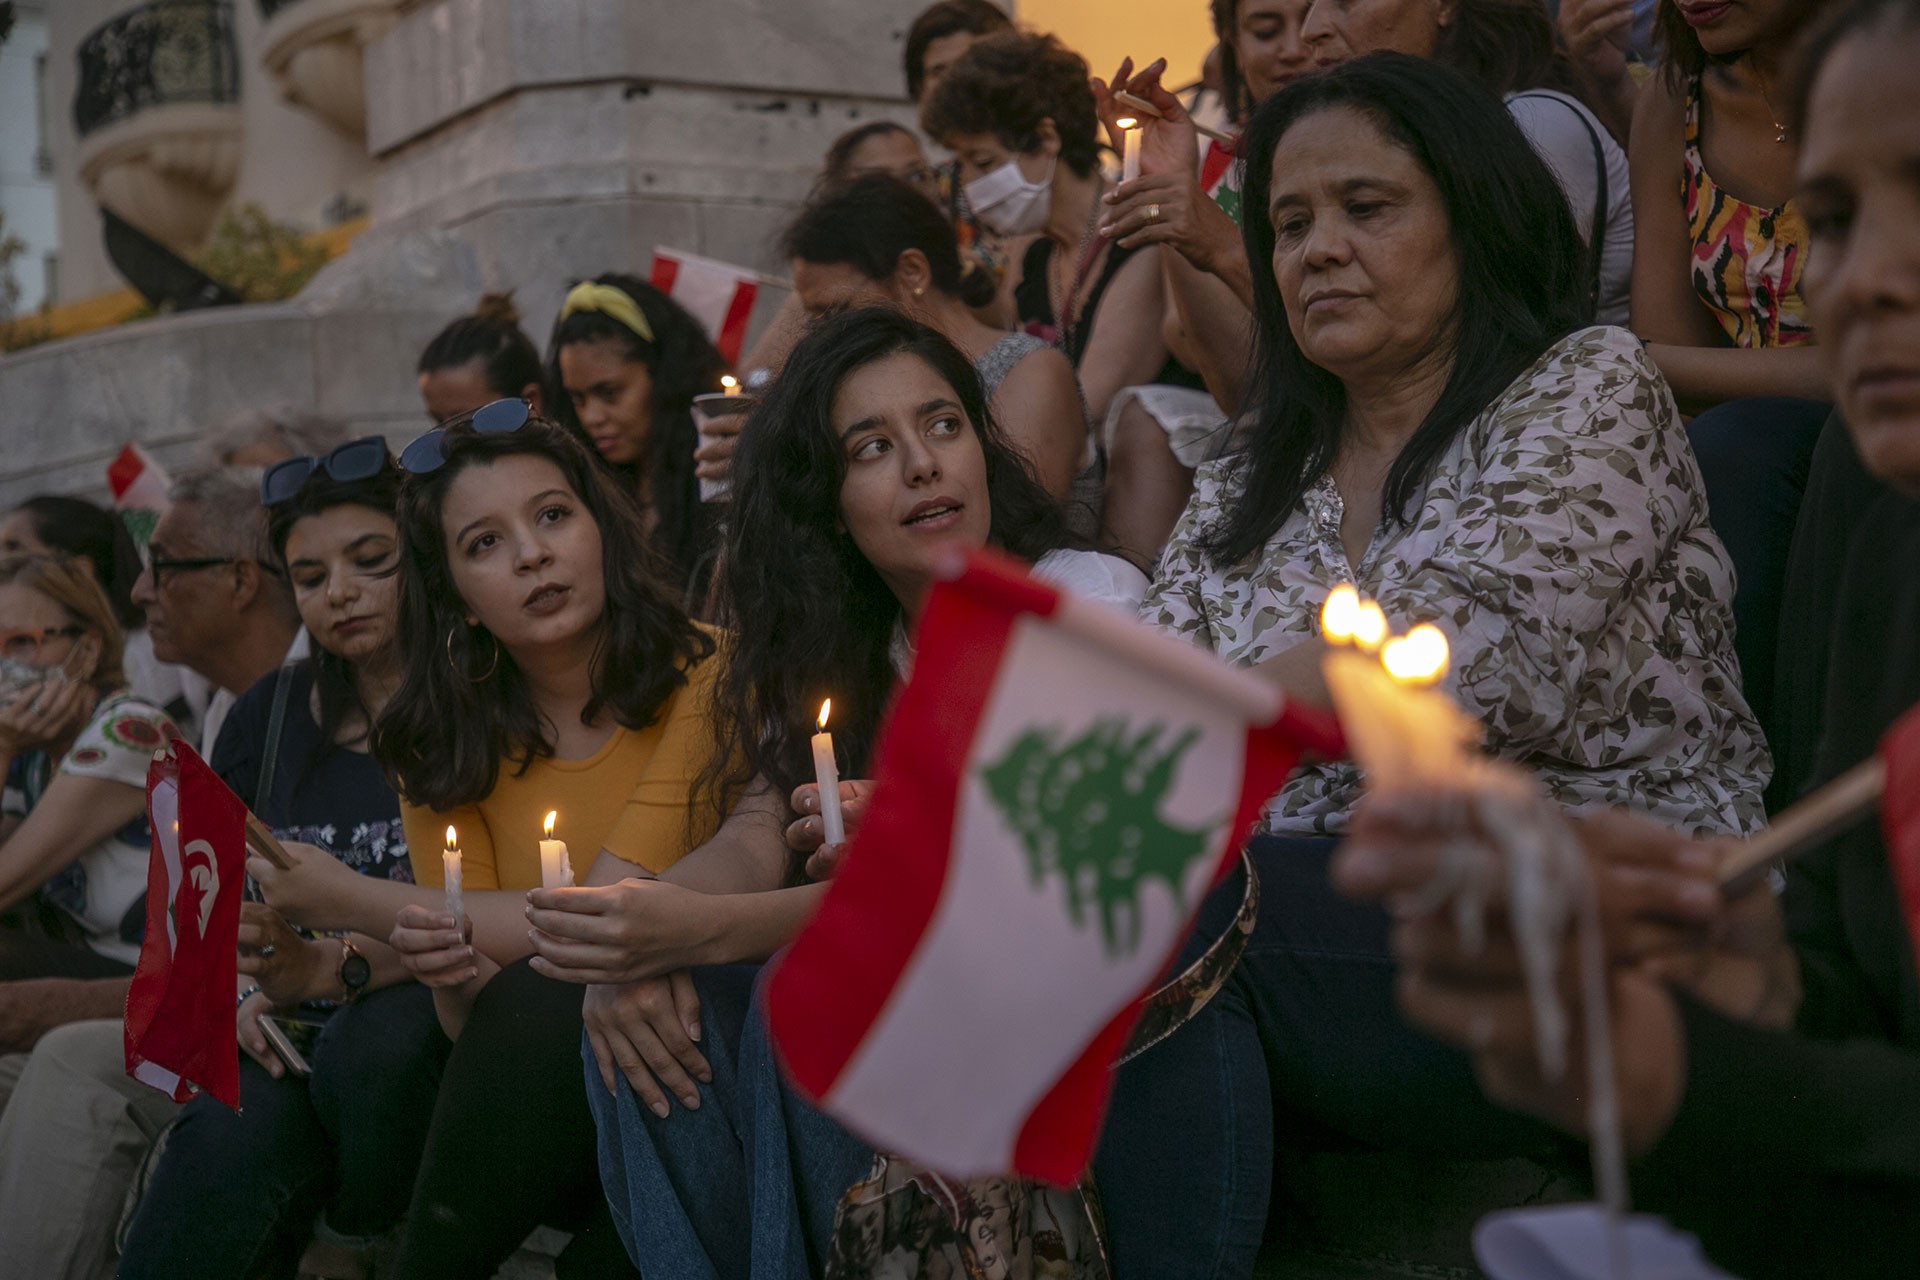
(75, 746)
(1507, 46)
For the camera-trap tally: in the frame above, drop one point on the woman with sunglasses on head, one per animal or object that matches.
(74, 748)
(625, 362)
(545, 670)
(873, 455)
(236, 1195)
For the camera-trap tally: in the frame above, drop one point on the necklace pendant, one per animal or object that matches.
(1780, 136)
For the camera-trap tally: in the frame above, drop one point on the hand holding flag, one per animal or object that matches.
(1056, 790)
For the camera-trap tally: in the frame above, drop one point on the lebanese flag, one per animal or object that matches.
(139, 487)
(180, 1022)
(719, 295)
(1058, 787)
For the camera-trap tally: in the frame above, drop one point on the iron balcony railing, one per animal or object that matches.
(163, 52)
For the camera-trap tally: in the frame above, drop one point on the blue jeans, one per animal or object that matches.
(744, 1186)
(1305, 1038)
(235, 1195)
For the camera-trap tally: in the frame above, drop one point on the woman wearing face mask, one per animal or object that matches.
(626, 362)
(60, 524)
(873, 455)
(73, 838)
(1018, 115)
(874, 242)
(235, 1195)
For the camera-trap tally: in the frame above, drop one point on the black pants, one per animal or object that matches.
(512, 1143)
(235, 1195)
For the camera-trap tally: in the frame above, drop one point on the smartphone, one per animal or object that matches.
(292, 1041)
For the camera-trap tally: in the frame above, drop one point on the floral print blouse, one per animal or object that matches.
(1562, 544)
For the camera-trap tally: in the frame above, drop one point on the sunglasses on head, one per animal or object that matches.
(427, 453)
(361, 459)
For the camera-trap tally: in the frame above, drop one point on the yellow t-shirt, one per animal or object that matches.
(629, 797)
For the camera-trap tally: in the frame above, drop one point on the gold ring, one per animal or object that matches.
(1153, 213)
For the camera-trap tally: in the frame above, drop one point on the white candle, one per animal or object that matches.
(826, 772)
(556, 869)
(1401, 730)
(729, 385)
(1130, 153)
(450, 865)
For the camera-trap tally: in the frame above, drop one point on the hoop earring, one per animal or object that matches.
(462, 671)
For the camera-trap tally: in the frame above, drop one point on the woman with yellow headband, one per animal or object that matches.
(625, 363)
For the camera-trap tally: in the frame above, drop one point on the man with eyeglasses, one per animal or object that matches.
(75, 1127)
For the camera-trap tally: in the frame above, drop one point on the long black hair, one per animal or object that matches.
(76, 527)
(812, 618)
(1522, 273)
(333, 682)
(463, 706)
(1682, 56)
(682, 363)
(869, 222)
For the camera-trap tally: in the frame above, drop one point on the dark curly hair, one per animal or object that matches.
(682, 362)
(812, 618)
(1523, 281)
(444, 737)
(1006, 85)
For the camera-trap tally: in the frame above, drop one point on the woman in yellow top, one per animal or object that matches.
(545, 670)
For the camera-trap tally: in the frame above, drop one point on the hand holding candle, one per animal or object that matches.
(556, 870)
(450, 864)
(826, 771)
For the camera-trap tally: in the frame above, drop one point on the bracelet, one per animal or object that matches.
(247, 995)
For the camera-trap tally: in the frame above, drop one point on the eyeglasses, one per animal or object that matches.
(361, 459)
(23, 644)
(427, 454)
(161, 566)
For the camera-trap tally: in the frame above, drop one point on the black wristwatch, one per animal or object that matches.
(354, 969)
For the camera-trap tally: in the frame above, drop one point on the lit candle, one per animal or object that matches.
(1340, 614)
(1369, 627)
(556, 870)
(450, 864)
(826, 772)
(1400, 728)
(729, 385)
(1130, 153)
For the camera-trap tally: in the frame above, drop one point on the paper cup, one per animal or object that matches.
(706, 408)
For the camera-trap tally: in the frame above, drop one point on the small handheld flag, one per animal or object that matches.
(717, 294)
(1057, 788)
(180, 1022)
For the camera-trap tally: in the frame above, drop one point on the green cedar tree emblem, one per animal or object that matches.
(1089, 812)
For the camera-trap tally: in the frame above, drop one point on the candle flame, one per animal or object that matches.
(552, 814)
(728, 383)
(826, 709)
(1369, 626)
(1127, 122)
(453, 841)
(1419, 657)
(1339, 614)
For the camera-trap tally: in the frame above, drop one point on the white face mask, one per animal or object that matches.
(1007, 203)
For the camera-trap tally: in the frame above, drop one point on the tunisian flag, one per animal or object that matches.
(717, 294)
(180, 1029)
(1058, 787)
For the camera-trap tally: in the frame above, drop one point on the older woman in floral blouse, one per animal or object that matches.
(1438, 428)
